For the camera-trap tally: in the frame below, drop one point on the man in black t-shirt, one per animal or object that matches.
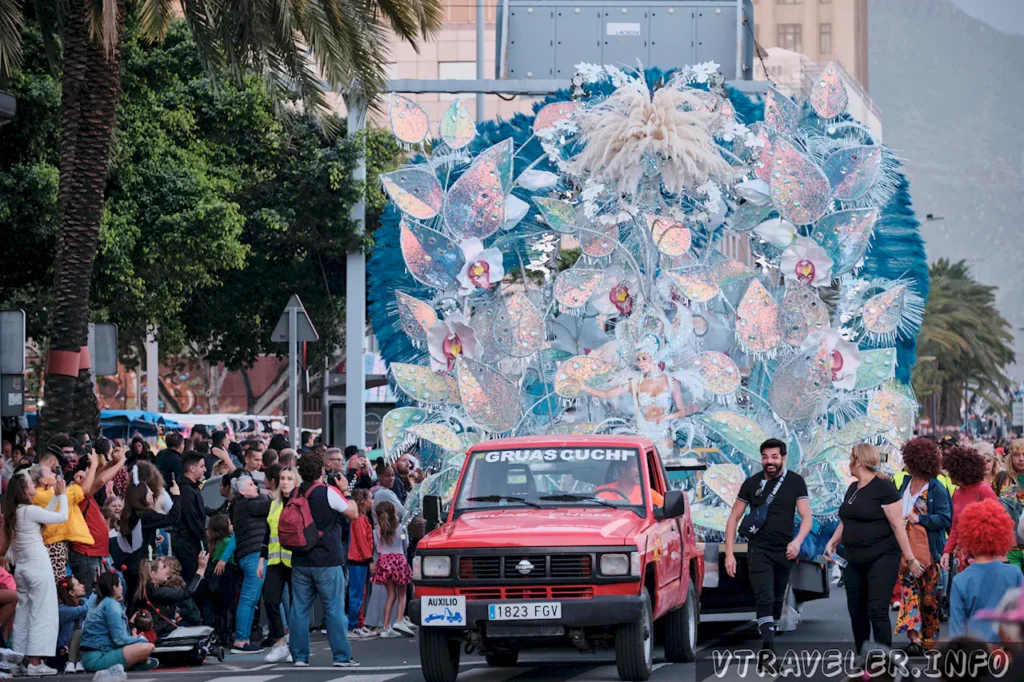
(772, 548)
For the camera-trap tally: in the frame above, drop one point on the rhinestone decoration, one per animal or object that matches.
(415, 316)
(409, 122)
(581, 369)
(710, 517)
(475, 205)
(670, 237)
(802, 313)
(432, 258)
(828, 96)
(718, 372)
(699, 284)
(853, 172)
(552, 114)
(876, 367)
(748, 216)
(724, 480)
(600, 244)
(415, 191)
(894, 411)
(500, 155)
(457, 127)
(422, 384)
(731, 272)
(519, 332)
(439, 435)
(741, 432)
(800, 191)
(845, 236)
(397, 422)
(560, 216)
(882, 313)
(799, 383)
(488, 397)
(575, 286)
(758, 324)
(780, 112)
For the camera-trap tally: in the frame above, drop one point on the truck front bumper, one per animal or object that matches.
(576, 613)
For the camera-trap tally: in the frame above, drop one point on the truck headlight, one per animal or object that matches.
(615, 564)
(437, 566)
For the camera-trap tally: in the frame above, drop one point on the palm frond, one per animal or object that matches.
(10, 36)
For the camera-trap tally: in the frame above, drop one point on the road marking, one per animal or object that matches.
(367, 678)
(370, 668)
(245, 678)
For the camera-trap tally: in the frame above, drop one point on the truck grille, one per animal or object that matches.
(508, 567)
(499, 593)
(480, 568)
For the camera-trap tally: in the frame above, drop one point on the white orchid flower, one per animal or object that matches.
(483, 268)
(777, 232)
(807, 262)
(449, 338)
(845, 360)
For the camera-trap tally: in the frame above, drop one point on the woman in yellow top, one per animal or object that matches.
(278, 571)
(56, 536)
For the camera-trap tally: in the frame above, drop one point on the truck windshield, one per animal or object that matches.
(550, 477)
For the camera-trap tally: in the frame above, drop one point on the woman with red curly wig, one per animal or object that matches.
(987, 533)
(928, 514)
(967, 469)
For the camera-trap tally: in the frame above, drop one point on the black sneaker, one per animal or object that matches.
(149, 664)
(250, 648)
(350, 663)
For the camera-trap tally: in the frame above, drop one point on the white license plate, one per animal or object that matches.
(538, 610)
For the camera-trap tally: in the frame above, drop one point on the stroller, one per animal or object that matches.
(187, 646)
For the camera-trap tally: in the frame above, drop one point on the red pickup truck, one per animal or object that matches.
(570, 539)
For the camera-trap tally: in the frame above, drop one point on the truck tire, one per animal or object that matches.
(502, 659)
(439, 655)
(634, 645)
(681, 630)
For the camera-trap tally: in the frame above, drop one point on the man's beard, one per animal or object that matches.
(772, 470)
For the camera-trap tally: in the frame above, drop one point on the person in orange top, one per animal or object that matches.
(628, 487)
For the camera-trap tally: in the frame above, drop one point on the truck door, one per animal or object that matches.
(668, 546)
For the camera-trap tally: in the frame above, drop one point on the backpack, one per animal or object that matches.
(296, 529)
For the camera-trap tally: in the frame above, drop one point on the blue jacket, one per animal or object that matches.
(68, 616)
(106, 627)
(939, 518)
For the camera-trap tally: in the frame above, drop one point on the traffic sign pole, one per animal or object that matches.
(293, 376)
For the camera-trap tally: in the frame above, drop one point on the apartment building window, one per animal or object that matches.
(825, 38)
(790, 37)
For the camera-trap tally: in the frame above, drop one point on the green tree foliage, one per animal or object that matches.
(964, 345)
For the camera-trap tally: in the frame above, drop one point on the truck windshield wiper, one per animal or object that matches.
(573, 497)
(503, 498)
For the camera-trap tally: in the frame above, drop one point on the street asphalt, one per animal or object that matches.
(825, 625)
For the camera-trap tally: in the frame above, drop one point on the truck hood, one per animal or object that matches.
(537, 528)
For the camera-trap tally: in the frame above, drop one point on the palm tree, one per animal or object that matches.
(964, 345)
(299, 46)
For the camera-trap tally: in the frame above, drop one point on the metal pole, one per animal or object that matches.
(325, 407)
(293, 377)
(152, 373)
(481, 108)
(355, 292)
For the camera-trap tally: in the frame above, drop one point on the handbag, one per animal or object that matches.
(755, 520)
(918, 536)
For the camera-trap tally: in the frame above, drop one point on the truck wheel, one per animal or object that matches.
(681, 630)
(502, 659)
(634, 645)
(439, 655)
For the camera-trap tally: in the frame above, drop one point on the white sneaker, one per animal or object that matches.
(79, 668)
(301, 664)
(277, 654)
(389, 634)
(69, 668)
(369, 633)
(41, 670)
(409, 624)
(403, 629)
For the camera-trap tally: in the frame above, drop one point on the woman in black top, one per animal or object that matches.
(872, 531)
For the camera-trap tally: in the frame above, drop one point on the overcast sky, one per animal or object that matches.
(1005, 15)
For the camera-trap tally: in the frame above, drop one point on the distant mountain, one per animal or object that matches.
(951, 92)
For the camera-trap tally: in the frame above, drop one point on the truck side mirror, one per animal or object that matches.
(675, 504)
(432, 511)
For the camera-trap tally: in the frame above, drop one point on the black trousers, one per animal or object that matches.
(769, 576)
(277, 577)
(868, 591)
(186, 551)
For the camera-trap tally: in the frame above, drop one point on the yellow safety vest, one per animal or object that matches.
(276, 553)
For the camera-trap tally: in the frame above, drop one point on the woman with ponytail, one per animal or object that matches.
(138, 525)
(106, 641)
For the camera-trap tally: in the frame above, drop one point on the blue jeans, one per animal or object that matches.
(249, 597)
(329, 583)
(357, 576)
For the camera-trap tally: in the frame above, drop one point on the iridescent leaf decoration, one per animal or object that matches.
(415, 191)
(457, 126)
(763, 153)
(739, 431)
(799, 384)
(883, 312)
(749, 215)
(717, 371)
(500, 155)
(845, 236)
(729, 272)
(699, 283)
(894, 411)
(710, 517)
(574, 429)
(520, 332)
(828, 96)
(560, 216)
(724, 480)
(575, 286)
(422, 384)
(439, 435)
(475, 205)
(488, 397)
(758, 323)
(551, 114)
(853, 172)
(415, 316)
(669, 236)
(800, 191)
(803, 313)
(581, 369)
(432, 258)
(396, 423)
(876, 367)
(599, 240)
(780, 112)
(409, 122)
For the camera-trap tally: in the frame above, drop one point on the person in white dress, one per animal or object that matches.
(36, 619)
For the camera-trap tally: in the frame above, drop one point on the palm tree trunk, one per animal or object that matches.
(88, 114)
